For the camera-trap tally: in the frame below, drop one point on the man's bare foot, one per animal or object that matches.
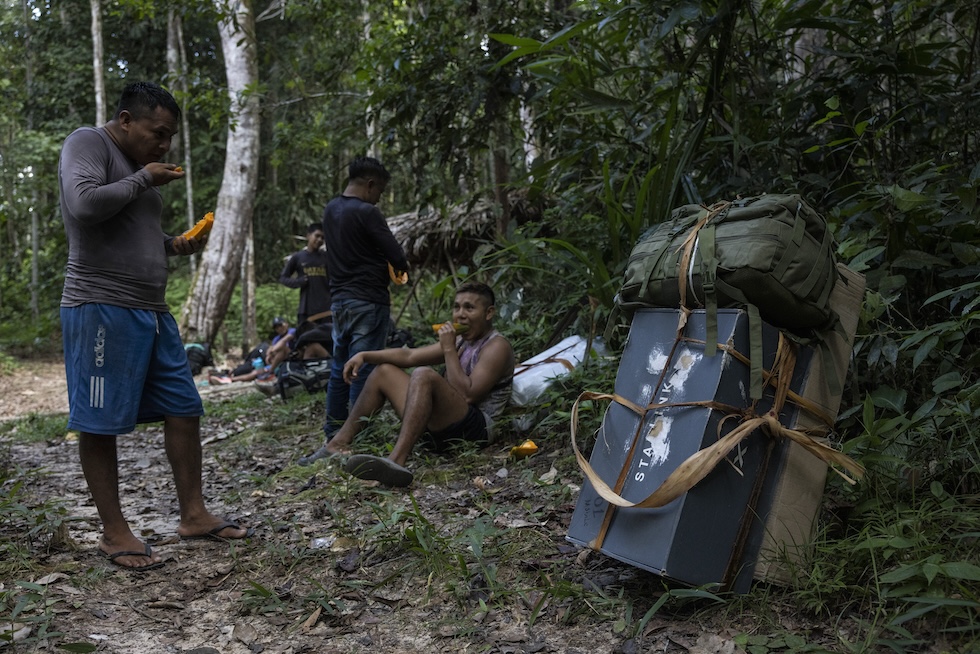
(325, 452)
(337, 450)
(130, 553)
(213, 529)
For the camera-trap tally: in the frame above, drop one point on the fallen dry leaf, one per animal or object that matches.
(550, 476)
(14, 631)
(245, 633)
(310, 622)
(47, 579)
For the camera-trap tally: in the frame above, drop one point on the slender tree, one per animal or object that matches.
(219, 270)
(98, 65)
(177, 72)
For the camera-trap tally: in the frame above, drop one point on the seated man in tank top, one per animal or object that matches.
(459, 405)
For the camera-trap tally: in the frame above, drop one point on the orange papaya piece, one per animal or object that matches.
(527, 448)
(397, 276)
(202, 228)
(460, 329)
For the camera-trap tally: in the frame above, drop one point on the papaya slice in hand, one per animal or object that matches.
(397, 276)
(202, 228)
(460, 329)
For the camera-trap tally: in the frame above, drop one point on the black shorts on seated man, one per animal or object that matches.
(461, 404)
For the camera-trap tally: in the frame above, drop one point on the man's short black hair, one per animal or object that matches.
(141, 98)
(479, 288)
(313, 227)
(365, 167)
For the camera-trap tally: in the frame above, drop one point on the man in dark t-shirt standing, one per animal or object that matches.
(360, 247)
(307, 271)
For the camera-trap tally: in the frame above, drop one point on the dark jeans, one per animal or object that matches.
(358, 326)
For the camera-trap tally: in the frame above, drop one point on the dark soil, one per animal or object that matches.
(472, 558)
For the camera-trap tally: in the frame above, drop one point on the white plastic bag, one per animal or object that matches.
(534, 375)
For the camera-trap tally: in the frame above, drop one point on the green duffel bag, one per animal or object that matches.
(773, 251)
(772, 255)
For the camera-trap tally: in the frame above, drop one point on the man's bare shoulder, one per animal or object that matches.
(499, 348)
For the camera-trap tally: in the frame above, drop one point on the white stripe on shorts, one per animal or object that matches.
(96, 392)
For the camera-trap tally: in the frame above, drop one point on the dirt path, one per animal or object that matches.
(329, 569)
(473, 558)
(37, 387)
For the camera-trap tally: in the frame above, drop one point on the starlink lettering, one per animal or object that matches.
(657, 435)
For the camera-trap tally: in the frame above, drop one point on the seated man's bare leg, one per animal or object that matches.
(248, 376)
(277, 357)
(315, 351)
(182, 438)
(386, 383)
(431, 403)
(99, 459)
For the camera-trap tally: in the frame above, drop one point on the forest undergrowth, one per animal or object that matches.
(473, 557)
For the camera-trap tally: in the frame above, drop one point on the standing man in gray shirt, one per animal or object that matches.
(124, 360)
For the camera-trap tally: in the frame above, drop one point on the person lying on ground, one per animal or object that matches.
(459, 405)
(312, 342)
(280, 350)
(263, 373)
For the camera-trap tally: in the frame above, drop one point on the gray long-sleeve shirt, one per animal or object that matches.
(117, 251)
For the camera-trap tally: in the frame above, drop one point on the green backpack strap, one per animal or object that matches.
(685, 262)
(755, 352)
(612, 323)
(700, 243)
(709, 275)
(755, 336)
(832, 374)
(788, 257)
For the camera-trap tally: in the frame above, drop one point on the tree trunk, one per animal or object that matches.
(215, 281)
(501, 177)
(35, 272)
(177, 71)
(532, 146)
(97, 63)
(250, 334)
(370, 126)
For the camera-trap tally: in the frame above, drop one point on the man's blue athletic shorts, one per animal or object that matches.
(124, 367)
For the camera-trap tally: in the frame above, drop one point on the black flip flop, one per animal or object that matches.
(134, 568)
(376, 468)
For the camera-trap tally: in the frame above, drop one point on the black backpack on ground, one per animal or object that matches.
(258, 352)
(400, 337)
(314, 333)
(198, 356)
(294, 377)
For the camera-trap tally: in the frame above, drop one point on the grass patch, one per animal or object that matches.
(27, 527)
(8, 364)
(482, 533)
(36, 428)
